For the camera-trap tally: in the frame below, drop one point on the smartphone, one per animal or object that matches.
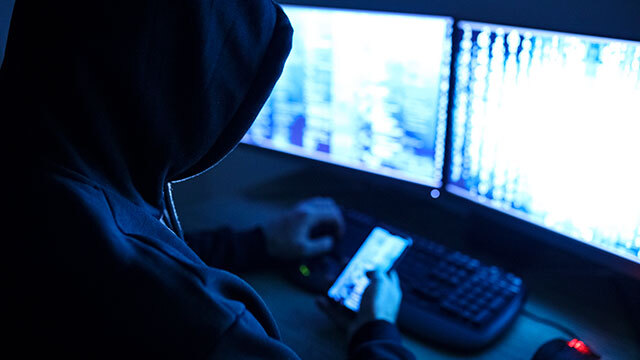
(380, 250)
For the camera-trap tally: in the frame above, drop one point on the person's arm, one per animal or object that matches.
(230, 250)
(245, 339)
(286, 237)
(378, 339)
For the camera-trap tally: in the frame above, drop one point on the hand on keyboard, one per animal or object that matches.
(307, 230)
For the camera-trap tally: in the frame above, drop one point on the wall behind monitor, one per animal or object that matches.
(609, 18)
(612, 18)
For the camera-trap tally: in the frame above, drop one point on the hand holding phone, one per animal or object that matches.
(381, 300)
(368, 288)
(379, 252)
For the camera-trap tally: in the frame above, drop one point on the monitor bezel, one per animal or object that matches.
(437, 184)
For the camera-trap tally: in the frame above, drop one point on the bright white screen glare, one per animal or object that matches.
(367, 90)
(546, 127)
(379, 251)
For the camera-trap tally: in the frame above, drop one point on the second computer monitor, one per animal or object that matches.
(546, 127)
(362, 89)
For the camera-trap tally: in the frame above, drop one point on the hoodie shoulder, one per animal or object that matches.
(124, 291)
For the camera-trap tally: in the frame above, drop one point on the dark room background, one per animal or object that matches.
(613, 18)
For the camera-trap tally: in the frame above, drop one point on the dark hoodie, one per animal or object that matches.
(109, 102)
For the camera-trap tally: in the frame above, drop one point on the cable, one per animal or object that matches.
(556, 326)
(551, 323)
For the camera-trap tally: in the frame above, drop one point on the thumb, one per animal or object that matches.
(394, 278)
(318, 246)
(375, 275)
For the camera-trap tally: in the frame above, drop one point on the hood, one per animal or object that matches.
(136, 94)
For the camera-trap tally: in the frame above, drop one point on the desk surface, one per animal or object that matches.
(250, 187)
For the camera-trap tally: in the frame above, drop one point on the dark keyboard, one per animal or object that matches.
(448, 297)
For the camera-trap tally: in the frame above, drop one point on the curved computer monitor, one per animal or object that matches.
(362, 89)
(545, 127)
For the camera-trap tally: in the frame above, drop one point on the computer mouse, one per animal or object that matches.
(561, 349)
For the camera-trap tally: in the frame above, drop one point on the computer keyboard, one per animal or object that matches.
(448, 297)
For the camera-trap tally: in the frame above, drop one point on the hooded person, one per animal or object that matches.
(110, 102)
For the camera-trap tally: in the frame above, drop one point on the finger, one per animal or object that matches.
(395, 280)
(329, 213)
(393, 276)
(375, 274)
(375, 277)
(311, 247)
(371, 289)
(317, 203)
(321, 200)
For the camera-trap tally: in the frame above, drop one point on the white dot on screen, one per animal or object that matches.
(435, 193)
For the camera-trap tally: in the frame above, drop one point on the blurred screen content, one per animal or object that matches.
(366, 90)
(546, 128)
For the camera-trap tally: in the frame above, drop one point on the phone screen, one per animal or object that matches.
(380, 250)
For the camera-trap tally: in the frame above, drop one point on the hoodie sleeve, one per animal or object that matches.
(378, 339)
(234, 251)
(245, 339)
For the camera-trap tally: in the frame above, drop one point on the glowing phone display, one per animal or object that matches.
(380, 250)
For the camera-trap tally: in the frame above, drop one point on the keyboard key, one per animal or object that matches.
(513, 279)
(451, 308)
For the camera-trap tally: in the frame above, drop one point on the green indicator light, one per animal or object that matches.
(304, 270)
